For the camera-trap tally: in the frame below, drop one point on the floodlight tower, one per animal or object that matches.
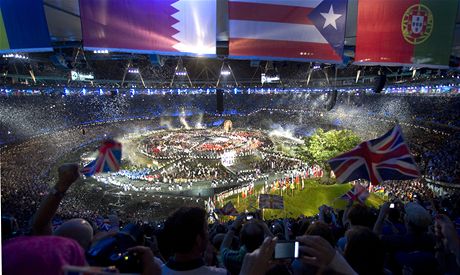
(129, 69)
(180, 71)
(225, 72)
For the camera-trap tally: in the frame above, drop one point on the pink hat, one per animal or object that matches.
(40, 255)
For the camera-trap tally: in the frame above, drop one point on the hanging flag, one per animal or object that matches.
(210, 207)
(108, 159)
(405, 32)
(149, 26)
(357, 193)
(227, 210)
(271, 201)
(23, 27)
(294, 29)
(377, 160)
(251, 188)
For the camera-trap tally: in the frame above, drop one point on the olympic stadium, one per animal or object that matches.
(291, 113)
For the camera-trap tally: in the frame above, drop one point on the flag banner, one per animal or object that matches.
(271, 201)
(108, 159)
(23, 27)
(377, 160)
(305, 30)
(357, 193)
(150, 26)
(227, 210)
(210, 207)
(405, 32)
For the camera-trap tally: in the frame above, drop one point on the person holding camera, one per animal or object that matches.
(187, 234)
(251, 236)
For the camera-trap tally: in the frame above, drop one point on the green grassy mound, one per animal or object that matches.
(303, 202)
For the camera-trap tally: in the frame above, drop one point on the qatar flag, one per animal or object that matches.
(150, 26)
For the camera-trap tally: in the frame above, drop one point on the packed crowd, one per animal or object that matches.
(26, 172)
(186, 170)
(444, 164)
(418, 235)
(407, 190)
(45, 113)
(25, 179)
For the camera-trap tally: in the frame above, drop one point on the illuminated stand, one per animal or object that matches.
(180, 71)
(225, 72)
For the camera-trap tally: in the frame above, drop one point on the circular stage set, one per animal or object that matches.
(189, 164)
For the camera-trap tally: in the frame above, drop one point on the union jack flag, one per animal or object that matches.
(271, 201)
(357, 193)
(109, 159)
(377, 160)
(227, 210)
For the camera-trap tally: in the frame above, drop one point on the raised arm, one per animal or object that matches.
(378, 226)
(227, 242)
(68, 173)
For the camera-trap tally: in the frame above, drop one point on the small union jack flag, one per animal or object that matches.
(357, 193)
(108, 160)
(271, 201)
(227, 210)
(377, 160)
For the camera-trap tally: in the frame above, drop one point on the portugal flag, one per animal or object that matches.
(405, 32)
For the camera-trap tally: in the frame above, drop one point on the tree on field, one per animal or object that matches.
(322, 146)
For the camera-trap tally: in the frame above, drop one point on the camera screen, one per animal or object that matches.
(285, 250)
(392, 205)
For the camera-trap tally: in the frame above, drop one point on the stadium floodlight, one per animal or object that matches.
(225, 72)
(133, 70)
(181, 73)
(101, 51)
(16, 56)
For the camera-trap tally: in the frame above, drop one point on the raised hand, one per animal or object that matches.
(67, 174)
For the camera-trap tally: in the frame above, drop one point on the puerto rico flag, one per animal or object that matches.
(108, 160)
(287, 29)
(377, 160)
(357, 193)
(150, 26)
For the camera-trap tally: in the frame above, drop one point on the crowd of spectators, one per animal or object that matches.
(418, 235)
(443, 164)
(407, 190)
(418, 242)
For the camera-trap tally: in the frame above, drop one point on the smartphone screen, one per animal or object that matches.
(286, 250)
(249, 218)
(392, 205)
